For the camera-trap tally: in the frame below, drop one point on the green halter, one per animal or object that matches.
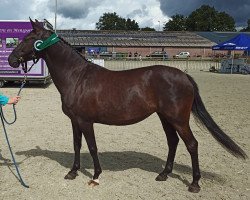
(40, 45)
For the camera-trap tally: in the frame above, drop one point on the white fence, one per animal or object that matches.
(184, 65)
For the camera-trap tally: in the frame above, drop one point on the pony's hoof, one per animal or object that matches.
(93, 183)
(161, 177)
(71, 175)
(194, 189)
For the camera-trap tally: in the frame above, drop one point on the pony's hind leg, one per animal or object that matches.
(172, 139)
(191, 143)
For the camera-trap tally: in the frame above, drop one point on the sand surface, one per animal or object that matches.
(131, 156)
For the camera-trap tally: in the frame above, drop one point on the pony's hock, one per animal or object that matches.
(92, 94)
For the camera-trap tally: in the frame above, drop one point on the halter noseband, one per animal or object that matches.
(24, 63)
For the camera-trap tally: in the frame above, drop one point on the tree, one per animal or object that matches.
(176, 23)
(224, 22)
(147, 29)
(247, 29)
(111, 21)
(131, 25)
(206, 18)
(108, 21)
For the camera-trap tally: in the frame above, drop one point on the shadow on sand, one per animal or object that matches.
(118, 161)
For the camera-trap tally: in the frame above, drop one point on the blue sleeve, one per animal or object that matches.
(3, 100)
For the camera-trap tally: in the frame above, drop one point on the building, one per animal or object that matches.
(140, 43)
(121, 43)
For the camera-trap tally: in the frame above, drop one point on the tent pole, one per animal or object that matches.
(232, 63)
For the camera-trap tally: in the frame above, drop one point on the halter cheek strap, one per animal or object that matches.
(40, 45)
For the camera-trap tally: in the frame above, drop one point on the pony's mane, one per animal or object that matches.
(67, 43)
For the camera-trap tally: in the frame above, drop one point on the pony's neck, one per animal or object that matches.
(65, 65)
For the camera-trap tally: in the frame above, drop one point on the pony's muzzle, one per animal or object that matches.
(13, 61)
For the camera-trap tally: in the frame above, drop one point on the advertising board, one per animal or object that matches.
(11, 34)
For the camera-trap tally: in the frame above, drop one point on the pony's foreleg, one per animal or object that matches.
(173, 140)
(77, 136)
(88, 132)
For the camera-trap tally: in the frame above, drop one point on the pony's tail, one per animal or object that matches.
(202, 116)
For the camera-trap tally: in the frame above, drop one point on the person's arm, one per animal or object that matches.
(14, 100)
(3, 100)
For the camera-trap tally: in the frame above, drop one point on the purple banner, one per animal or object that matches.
(11, 34)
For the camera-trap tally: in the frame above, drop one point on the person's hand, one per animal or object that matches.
(14, 100)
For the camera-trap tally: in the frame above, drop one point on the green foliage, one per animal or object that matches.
(111, 21)
(224, 22)
(147, 29)
(176, 23)
(108, 21)
(205, 18)
(131, 25)
(201, 19)
(247, 29)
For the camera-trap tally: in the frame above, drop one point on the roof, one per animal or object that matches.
(219, 37)
(134, 38)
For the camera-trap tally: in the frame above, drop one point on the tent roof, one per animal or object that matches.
(240, 42)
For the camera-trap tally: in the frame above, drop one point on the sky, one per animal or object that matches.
(84, 14)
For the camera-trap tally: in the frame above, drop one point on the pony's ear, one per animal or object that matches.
(35, 25)
(32, 23)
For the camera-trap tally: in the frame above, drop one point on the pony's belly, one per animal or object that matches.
(124, 115)
(122, 120)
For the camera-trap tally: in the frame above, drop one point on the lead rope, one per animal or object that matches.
(14, 108)
(3, 119)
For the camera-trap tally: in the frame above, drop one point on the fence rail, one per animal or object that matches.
(184, 65)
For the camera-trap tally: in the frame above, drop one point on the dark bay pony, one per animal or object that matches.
(92, 94)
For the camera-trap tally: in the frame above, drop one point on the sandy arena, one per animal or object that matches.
(131, 156)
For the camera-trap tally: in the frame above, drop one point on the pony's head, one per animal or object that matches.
(26, 51)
